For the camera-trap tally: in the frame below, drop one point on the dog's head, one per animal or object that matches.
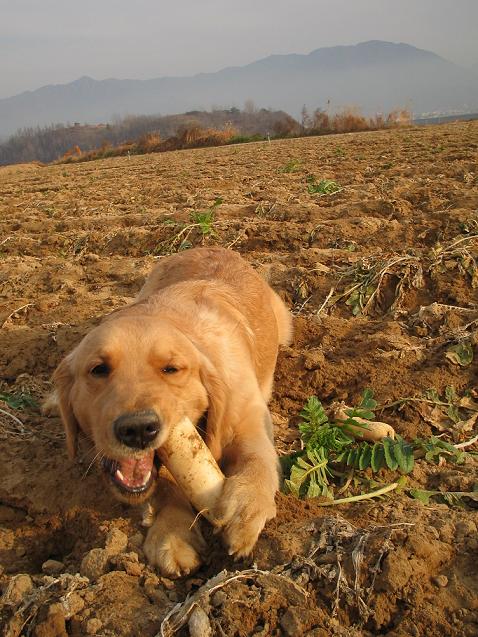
(125, 385)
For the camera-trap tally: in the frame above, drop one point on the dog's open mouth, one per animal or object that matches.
(132, 475)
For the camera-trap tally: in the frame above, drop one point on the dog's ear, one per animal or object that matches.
(218, 430)
(63, 379)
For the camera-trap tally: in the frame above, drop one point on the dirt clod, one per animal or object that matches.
(94, 564)
(128, 562)
(69, 606)
(18, 587)
(441, 581)
(116, 542)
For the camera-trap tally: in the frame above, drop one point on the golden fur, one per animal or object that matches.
(208, 314)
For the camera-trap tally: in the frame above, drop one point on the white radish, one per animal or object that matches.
(188, 459)
(372, 430)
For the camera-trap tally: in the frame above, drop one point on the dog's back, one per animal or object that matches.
(223, 280)
(225, 266)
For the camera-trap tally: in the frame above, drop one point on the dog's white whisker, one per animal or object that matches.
(100, 453)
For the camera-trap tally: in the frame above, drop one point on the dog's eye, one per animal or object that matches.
(100, 370)
(169, 369)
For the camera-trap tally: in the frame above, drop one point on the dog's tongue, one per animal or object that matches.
(135, 472)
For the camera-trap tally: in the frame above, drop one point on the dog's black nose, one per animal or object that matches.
(137, 429)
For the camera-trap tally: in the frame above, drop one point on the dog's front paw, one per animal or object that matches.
(242, 512)
(171, 554)
(172, 547)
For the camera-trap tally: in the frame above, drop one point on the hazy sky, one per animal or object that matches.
(56, 41)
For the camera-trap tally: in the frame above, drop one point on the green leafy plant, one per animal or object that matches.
(292, 166)
(460, 354)
(452, 498)
(367, 278)
(330, 447)
(370, 280)
(434, 449)
(204, 219)
(459, 254)
(309, 475)
(18, 401)
(323, 187)
(449, 413)
(331, 456)
(200, 220)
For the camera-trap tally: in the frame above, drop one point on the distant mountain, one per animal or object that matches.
(376, 76)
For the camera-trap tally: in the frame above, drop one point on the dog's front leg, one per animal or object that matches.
(252, 479)
(174, 543)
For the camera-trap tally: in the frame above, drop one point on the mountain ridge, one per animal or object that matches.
(394, 74)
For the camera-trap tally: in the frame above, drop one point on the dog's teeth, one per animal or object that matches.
(147, 478)
(119, 475)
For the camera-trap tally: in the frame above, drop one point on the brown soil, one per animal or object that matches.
(77, 242)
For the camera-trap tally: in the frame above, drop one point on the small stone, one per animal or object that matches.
(18, 587)
(116, 542)
(199, 624)
(291, 623)
(93, 626)
(94, 564)
(128, 562)
(440, 580)
(167, 583)
(130, 568)
(52, 567)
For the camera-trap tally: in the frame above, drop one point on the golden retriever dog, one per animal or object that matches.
(200, 340)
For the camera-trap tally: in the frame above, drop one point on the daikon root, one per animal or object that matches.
(372, 430)
(192, 465)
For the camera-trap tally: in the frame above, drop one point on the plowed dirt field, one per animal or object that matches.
(382, 278)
